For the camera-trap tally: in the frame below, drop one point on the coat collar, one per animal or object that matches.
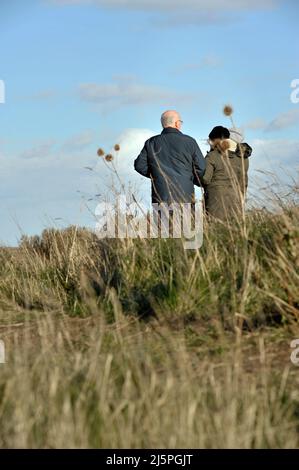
(168, 130)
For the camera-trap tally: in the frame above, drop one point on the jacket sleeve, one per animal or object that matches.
(199, 165)
(210, 167)
(141, 163)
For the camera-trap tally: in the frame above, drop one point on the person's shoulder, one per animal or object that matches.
(245, 149)
(212, 154)
(152, 139)
(189, 139)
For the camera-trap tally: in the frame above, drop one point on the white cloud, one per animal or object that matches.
(49, 154)
(200, 18)
(277, 155)
(40, 150)
(207, 62)
(177, 13)
(284, 121)
(42, 95)
(273, 171)
(78, 142)
(131, 143)
(167, 5)
(128, 91)
(256, 124)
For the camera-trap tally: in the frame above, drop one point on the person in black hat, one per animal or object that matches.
(226, 176)
(219, 133)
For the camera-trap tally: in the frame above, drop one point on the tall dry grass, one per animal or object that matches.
(140, 343)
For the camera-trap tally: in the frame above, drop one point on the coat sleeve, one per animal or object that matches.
(199, 165)
(246, 172)
(210, 167)
(141, 163)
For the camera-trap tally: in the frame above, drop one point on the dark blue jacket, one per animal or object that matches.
(174, 163)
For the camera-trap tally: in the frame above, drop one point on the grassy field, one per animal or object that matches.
(142, 344)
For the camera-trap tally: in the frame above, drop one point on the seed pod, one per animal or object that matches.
(228, 110)
(101, 152)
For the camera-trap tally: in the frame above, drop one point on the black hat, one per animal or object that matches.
(219, 132)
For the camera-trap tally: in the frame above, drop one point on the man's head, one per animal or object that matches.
(171, 119)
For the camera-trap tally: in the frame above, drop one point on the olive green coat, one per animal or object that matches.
(225, 181)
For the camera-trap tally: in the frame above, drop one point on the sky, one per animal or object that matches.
(76, 75)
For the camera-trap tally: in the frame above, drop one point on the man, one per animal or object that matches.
(173, 161)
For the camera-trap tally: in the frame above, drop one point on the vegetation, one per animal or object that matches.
(140, 343)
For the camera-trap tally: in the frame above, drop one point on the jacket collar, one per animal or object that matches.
(243, 150)
(168, 130)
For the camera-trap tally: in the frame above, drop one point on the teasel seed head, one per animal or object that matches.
(101, 152)
(228, 110)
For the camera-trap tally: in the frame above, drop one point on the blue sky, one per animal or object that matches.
(83, 74)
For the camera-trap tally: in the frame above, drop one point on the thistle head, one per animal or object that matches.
(228, 110)
(101, 152)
